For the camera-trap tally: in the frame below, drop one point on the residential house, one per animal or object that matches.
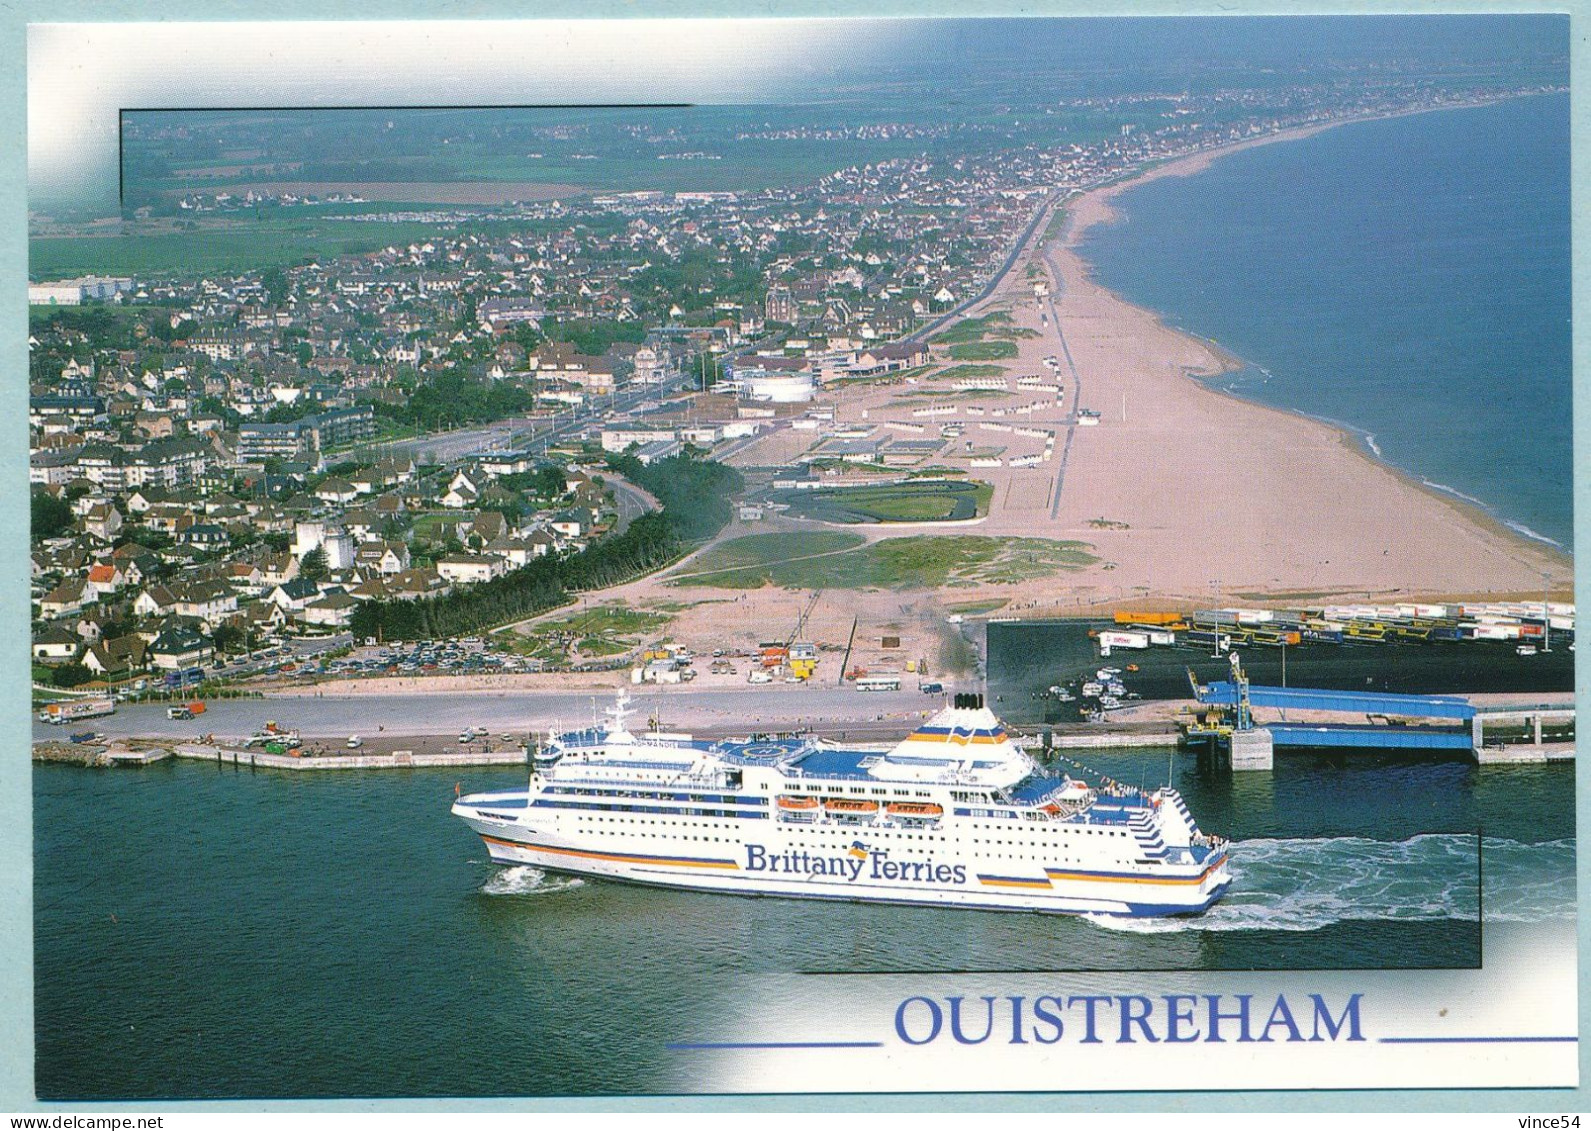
(103, 521)
(292, 596)
(105, 578)
(118, 657)
(468, 569)
(178, 648)
(334, 610)
(207, 601)
(55, 644)
(68, 597)
(156, 600)
(384, 558)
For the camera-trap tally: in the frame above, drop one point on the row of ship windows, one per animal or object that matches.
(577, 806)
(724, 799)
(810, 790)
(665, 836)
(850, 831)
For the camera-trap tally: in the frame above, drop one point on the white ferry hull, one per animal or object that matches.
(725, 869)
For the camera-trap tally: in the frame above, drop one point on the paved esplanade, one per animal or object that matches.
(517, 712)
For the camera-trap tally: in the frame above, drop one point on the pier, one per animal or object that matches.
(1395, 722)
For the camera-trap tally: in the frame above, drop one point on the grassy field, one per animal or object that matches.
(972, 329)
(745, 563)
(600, 630)
(983, 351)
(920, 501)
(920, 562)
(974, 608)
(968, 339)
(245, 246)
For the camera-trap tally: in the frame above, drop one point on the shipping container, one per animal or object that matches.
(1495, 632)
(1147, 618)
(67, 710)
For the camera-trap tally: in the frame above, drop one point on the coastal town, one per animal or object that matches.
(236, 475)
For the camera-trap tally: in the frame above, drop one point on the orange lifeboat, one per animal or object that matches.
(918, 809)
(796, 804)
(853, 806)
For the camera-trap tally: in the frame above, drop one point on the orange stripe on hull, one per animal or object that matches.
(1093, 877)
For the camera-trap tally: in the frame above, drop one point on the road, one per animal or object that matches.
(1017, 248)
(235, 669)
(1077, 392)
(734, 710)
(631, 503)
(524, 431)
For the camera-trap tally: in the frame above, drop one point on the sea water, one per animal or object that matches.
(205, 932)
(1407, 278)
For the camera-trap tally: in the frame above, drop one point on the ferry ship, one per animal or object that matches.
(955, 814)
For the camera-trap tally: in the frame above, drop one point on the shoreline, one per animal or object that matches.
(1076, 274)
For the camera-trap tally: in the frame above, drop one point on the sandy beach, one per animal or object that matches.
(1217, 490)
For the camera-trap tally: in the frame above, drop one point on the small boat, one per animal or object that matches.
(915, 810)
(797, 803)
(1526, 650)
(853, 806)
(1107, 673)
(1093, 688)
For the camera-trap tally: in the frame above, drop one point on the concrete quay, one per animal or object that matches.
(1099, 741)
(1524, 753)
(395, 760)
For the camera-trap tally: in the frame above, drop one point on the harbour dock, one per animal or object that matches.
(396, 760)
(1394, 722)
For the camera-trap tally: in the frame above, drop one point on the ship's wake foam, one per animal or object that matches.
(522, 879)
(1304, 885)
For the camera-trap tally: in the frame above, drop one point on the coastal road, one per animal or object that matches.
(1017, 248)
(720, 710)
(1077, 391)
